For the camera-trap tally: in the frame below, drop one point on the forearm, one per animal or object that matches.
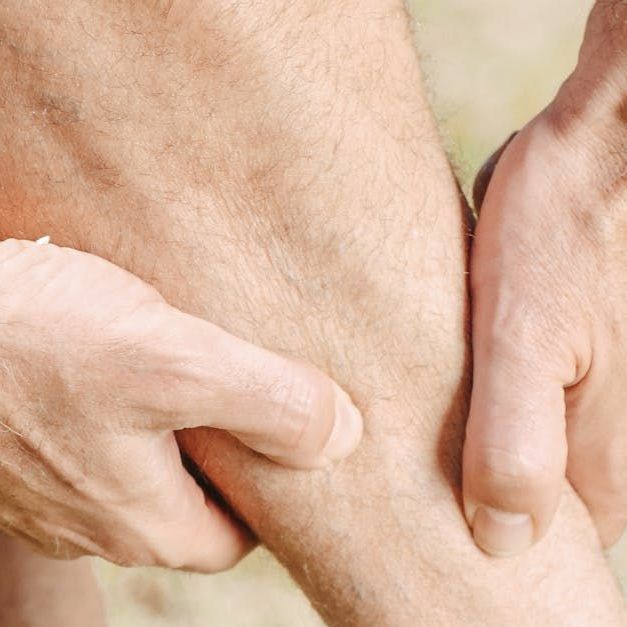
(291, 188)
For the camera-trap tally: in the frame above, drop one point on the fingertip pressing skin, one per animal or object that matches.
(157, 370)
(287, 410)
(514, 458)
(515, 452)
(553, 231)
(347, 428)
(310, 452)
(506, 504)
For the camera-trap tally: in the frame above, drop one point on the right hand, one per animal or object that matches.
(549, 297)
(97, 371)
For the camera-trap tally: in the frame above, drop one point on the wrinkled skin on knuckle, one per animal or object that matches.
(168, 543)
(58, 474)
(93, 328)
(134, 533)
(500, 466)
(512, 481)
(522, 334)
(306, 411)
(150, 371)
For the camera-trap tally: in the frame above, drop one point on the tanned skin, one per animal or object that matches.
(275, 169)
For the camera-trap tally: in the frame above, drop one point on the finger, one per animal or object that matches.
(186, 372)
(191, 532)
(280, 407)
(208, 541)
(483, 178)
(597, 458)
(515, 450)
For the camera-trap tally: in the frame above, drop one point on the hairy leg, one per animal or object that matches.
(274, 167)
(38, 592)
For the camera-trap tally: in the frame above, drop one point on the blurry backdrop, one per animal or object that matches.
(490, 66)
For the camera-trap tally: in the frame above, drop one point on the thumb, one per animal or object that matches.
(515, 450)
(285, 409)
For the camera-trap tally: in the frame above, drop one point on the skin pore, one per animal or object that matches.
(274, 168)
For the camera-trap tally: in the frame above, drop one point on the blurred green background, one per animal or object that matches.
(490, 66)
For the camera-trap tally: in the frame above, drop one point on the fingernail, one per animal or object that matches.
(347, 430)
(502, 533)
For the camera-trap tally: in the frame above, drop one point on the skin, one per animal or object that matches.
(549, 310)
(37, 591)
(98, 373)
(308, 206)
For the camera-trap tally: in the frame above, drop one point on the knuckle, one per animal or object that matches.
(150, 550)
(508, 469)
(300, 409)
(514, 334)
(136, 540)
(167, 558)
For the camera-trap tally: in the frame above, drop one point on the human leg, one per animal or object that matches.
(278, 172)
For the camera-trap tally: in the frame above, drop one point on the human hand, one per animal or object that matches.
(309, 206)
(97, 373)
(549, 283)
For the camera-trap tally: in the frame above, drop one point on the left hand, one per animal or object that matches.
(549, 290)
(97, 372)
